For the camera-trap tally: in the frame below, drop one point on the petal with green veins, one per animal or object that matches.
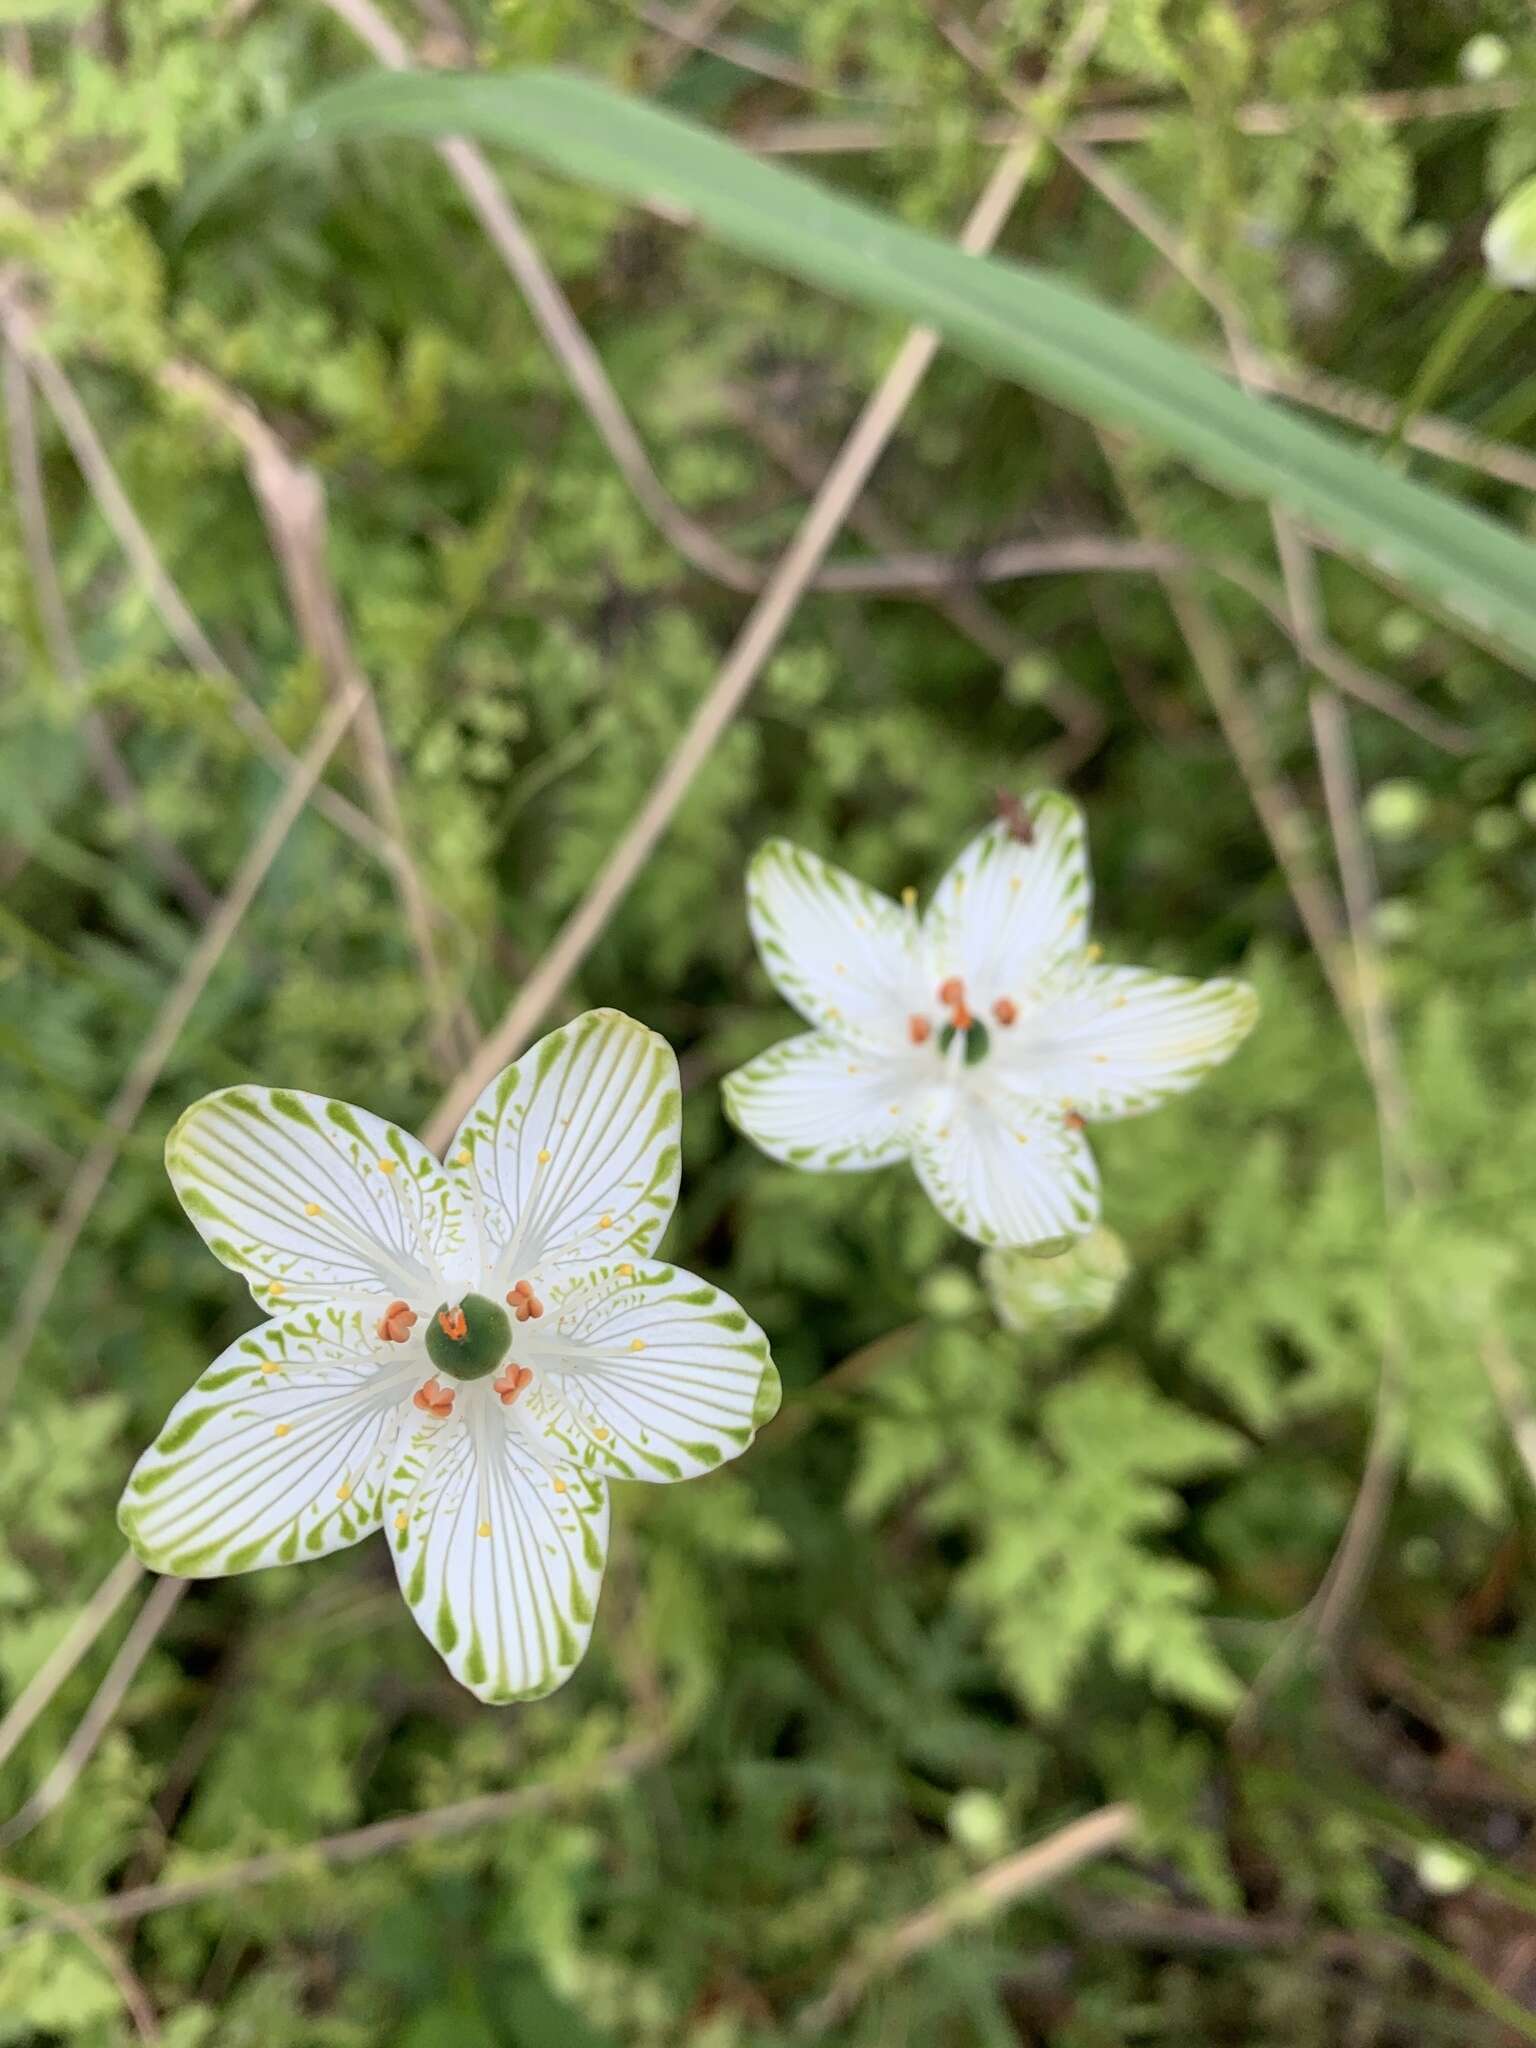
(1003, 1170)
(841, 953)
(500, 1560)
(575, 1148)
(825, 1106)
(1118, 1040)
(650, 1374)
(1009, 908)
(314, 1200)
(279, 1452)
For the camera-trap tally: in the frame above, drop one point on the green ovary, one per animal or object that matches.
(978, 1042)
(484, 1345)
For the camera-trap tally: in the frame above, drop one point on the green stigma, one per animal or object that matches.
(486, 1339)
(978, 1042)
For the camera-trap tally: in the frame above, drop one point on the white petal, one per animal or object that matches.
(279, 1452)
(1115, 1040)
(1003, 1170)
(841, 953)
(500, 1560)
(576, 1147)
(1006, 909)
(829, 1107)
(649, 1374)
(312, 1199)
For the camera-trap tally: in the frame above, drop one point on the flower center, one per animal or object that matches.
(468, 1339)
(978, 1041)
(975, 1038)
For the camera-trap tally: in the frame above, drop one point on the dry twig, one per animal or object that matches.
(56, 1667)
(69, 1919)
(980, 1898)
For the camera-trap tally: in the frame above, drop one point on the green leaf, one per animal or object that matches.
(1021, 321)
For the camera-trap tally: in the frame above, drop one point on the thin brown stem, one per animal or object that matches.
(54, 1671)
(970, 1904)
(107, 763)
(69, 1919)
(292, 501)
(91, 1175)
(117, 509)
(488, 1809)
(99, 1715)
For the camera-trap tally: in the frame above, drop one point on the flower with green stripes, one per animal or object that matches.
(463, 1353)
(978, 1039)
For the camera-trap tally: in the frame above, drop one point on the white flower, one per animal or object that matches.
(977, 1040)
(464, 1354)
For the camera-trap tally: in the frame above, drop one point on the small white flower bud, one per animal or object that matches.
(1509, 242)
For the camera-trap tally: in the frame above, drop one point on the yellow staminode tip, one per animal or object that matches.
(344, 1491)
(461, 1158)
(311, 1208)
(909, 895)
(275, 1288)
(624, 1271)
(484, 1529)
(402, 1520)
(605, 1223)
(544, 1155)
(559, 1486)
(282, 1429)
(270, 1365)
(388, 1165)
(637, 1343)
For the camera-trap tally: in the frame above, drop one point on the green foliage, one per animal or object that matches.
(1024, 1535)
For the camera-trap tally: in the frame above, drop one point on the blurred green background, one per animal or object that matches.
(1024, 1543)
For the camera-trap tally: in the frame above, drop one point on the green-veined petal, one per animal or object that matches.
(1113, 1041)
(576, 1146)
(279, 1452)
(824, 1105)
(500, 1560)
(1003, 1171)
(1008, 907)
(649, 1374)
(314, 1200)
(844, 955)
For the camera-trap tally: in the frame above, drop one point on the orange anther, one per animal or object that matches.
(961, 1017)
(524, 1303)
(1005, 1010)
(952, 991)
(452, 1324)
(510, 1382)
(1073, 1121)
(919, 1030)
(397, 1322)
(433, 1399)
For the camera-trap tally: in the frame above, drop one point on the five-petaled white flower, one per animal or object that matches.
(464, 1353)
(977, 1040)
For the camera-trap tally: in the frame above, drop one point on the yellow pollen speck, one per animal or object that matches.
(402, 1520)
(945, 1132)
(461, 1158)
(1015, 883)
(282, 1429)
(624, 1271)
(895, 1109)
(311, 1208)
(1023, 1137)
(344, 1491)
(1102, 1058)
(275, 1288)
(838, 967)
(1120, 1002)
(270, 1365)
(637, 1344)
(605, 1223)
(484, 1529)
(853, 1070)
(559, 1486)
(388, 1165)
(601, 1435)
(833, 1012)
(544, 1155)
(1095, 951)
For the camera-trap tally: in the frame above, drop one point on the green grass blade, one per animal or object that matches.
(1021, 321)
